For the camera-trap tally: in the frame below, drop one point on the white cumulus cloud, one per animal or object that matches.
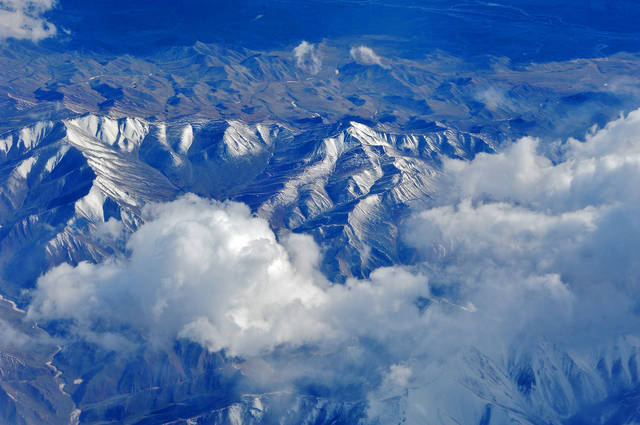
(23, 19)
(365, 55)
(573, 224)
(198, 269)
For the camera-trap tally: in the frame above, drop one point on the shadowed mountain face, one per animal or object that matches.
(342, 222)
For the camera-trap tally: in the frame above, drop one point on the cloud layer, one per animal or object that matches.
(518, 249)
(23, 19)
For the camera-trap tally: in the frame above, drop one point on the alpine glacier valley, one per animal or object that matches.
(358, 212)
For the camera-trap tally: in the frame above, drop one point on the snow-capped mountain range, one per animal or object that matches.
(340, 230)
(347, 184)
(343, 183)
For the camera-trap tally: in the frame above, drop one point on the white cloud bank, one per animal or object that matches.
(198, 269)
(514, 229)
(572, 226)
(308, 57)
(213, 273)
(518, 250)
(23, 19)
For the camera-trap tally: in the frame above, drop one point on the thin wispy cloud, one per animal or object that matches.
(23, 19)
(494, 98)
(308, 57)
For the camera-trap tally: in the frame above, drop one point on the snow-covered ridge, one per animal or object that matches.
(61, 180)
